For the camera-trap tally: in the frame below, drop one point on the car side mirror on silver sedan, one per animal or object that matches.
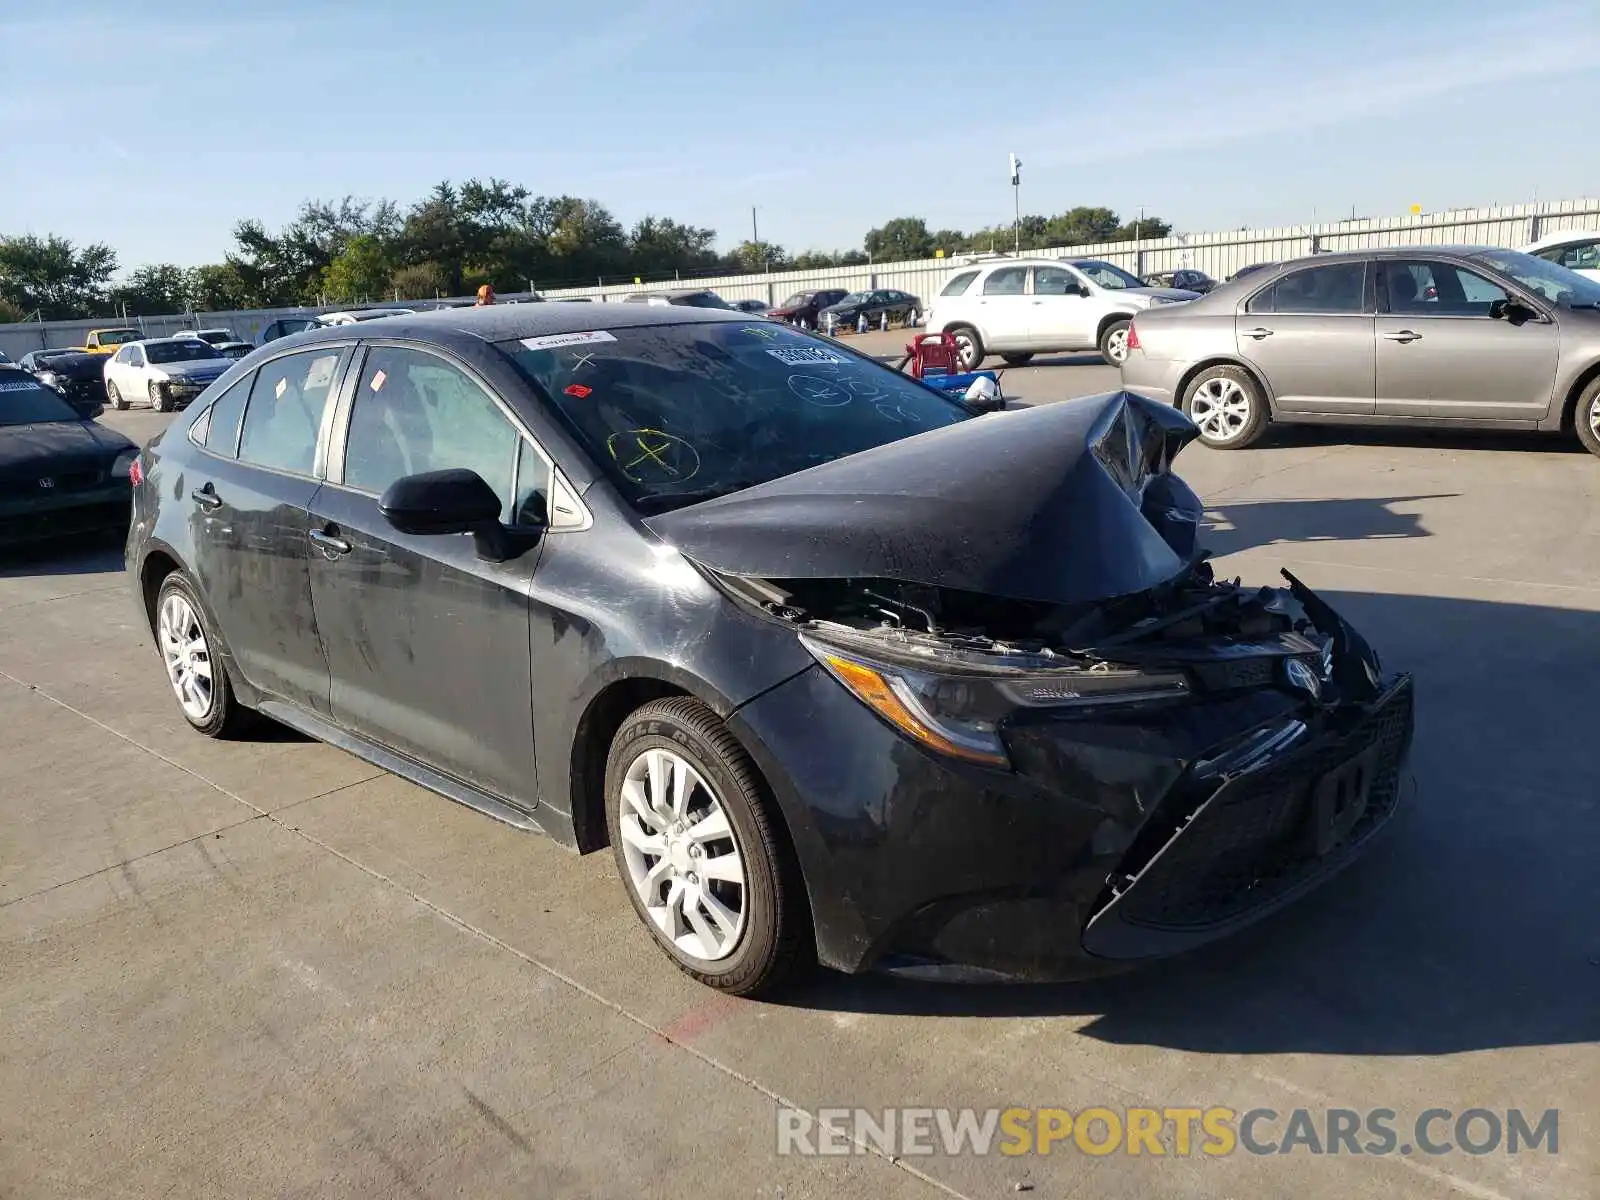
(1512, 310)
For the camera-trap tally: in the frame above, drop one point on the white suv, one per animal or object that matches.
(1018, 307)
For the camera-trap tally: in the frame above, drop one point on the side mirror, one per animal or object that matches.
(440, 502)
(1511, 310)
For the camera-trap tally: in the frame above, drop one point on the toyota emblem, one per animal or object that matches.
(47, 482)
(1303, 678)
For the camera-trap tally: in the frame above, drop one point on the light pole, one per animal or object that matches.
(1016, 201)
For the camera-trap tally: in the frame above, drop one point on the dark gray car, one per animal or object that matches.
(1465, 337)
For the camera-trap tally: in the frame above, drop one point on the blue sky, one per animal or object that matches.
(154, 126)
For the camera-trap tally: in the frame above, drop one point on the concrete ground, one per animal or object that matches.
(267, 969)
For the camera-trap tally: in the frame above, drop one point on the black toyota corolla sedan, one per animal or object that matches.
(60, 474)
(840, 670)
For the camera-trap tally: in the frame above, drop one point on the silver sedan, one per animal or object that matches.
(1462, 337)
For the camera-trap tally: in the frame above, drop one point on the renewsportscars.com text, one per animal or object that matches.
(1176, 1132)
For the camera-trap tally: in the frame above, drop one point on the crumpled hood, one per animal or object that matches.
(1064, 503)
(199, 369)
(53, 441)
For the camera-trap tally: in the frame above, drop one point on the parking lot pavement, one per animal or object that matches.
(264, 968)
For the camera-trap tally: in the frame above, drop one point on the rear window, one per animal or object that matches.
(959, 284)
(117, 337)
(171, 352)
(675, 414)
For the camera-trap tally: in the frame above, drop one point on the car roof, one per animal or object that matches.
(1561, 237)
(460, 327)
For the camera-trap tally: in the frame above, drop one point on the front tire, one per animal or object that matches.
(195, 671)
(158, 398)
(1114, 342)
(1228, 407)
(701, 852)
(114, 397)
(1586, 417)
(969, 346)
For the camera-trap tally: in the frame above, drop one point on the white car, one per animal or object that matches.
(212, 337)
(356, 316)
(1575, 249)
(165, 373)
(1019, 307)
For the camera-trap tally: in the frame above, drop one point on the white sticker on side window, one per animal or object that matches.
(554, 341)
(277, 392)
(377, 381)
(805, 356)
(321, 373)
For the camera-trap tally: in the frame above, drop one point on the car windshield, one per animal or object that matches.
(675, 414)
(213, 336)
(703, 300)
(25, 401)
(172, 352)
(117, 337)
(1555, 283)
(1108, 276)
(798, 300)
(853, 298)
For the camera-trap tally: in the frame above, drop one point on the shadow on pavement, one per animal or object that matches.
(1469, 925)
(1245, 523)
(87, 555)
(1282, 437)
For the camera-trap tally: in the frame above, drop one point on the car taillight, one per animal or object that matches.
(1133, 336)
(136, 471)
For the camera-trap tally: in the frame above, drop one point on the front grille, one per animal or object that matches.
(1254, 840)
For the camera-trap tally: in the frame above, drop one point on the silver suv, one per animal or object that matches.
(1019, 307)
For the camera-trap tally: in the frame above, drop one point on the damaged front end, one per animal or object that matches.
(1220, 748)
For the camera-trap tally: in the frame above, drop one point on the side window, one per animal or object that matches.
(1434, 289)
(1336, 288)
(284, 412)
(135, 356)
(1053, 281)
(414, 412)
(531, 503)
(959, 284)
(1585, 256)
(1007, 281)
(223, 415)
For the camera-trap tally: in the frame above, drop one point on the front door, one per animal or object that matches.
(1442, 354)
(1310, 334)
(427, 643)
(250, 493)
(1061, 317)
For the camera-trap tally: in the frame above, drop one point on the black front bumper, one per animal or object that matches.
(102, 509)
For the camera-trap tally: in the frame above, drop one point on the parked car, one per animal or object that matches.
(1184, 279)
(812, 721)
(804, 308)
(224, 341)
(1017, 308)
(1251, 269)
(33, 360)
(284, 326)
(874, 305)
(358, 315)
(756, 308)
(1456, 337)
(78, 377)
(234, 349)
(166, 373)
(683, 297)
(59, 473)
(105, 341)
(1575, 249)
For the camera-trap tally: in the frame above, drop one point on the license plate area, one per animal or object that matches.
(1339, 799)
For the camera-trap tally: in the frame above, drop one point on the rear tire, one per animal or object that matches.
(195, 671)
(158, 398)
(1114, 342)
(1586, 417)
(114, 397)
(747, 917)
(1017, 360)
(1228, 407)
(969, 346)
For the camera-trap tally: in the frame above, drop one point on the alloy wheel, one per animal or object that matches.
(1220, 407)
(1594, 416)
(967, 349)
(187, 656)
(1117, 346)
(682, 858)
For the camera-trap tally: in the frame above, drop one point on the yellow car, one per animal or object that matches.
(104, 341)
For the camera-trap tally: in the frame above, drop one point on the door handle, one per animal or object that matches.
(1258, 333)
(1404, 335)
(206, 497)
(328, 541)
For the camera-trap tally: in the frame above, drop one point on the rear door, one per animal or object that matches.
(1061, 317)
(1442, 354)
(1310, 333)
(1003, 310)
(427, 643)
(250, 492)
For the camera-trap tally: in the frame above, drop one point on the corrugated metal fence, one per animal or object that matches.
(1217, 254)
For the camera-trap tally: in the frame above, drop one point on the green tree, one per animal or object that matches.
(288, 267)
(52, 276)
(900, 240)
(10, 314)
(417, 281)
(361, 272)
(658, 246)
(757, 257)
(1081, 227)
(152, 290)
(217, 287)
(1143, 227)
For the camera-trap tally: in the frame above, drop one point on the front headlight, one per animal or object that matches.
(955, 701)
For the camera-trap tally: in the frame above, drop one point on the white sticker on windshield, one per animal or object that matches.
(805, 356)
(554, 341)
